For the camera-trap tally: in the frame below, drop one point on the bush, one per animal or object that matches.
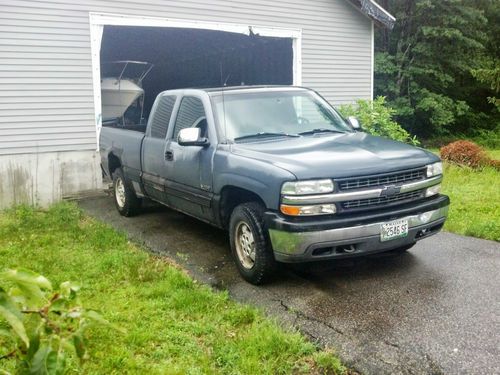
(465, 153)
(495, 164)
(488, 138)
(376, 118)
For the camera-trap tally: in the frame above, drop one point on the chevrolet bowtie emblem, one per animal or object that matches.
(389, 191)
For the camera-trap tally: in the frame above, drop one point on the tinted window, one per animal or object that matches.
(162, 116)
(191, 114)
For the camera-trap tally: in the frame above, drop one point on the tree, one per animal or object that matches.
(489, 74)
(425, 66)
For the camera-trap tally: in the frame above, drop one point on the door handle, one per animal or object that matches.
(169, 155)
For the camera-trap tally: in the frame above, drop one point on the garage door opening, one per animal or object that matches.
(188, 58)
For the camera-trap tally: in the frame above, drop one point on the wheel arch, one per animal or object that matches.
(230, 197)
(114, 163)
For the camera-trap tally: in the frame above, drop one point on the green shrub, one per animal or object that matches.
(377, 119)
(489, 139)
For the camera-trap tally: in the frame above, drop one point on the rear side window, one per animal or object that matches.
(191, 114)
(162, 117)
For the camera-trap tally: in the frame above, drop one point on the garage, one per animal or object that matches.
(53, 54)
(160, 55)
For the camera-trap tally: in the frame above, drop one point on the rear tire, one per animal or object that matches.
(249, 243)
(126, 201)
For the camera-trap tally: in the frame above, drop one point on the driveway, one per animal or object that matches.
(433, 310)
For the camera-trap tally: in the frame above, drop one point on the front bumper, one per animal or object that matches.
(353, 236)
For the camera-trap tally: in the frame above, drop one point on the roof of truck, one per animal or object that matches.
(250, 88)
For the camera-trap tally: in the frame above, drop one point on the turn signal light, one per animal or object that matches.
(320, 209)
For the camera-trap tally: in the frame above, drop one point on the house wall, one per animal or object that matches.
(40, 179)
(46, 92)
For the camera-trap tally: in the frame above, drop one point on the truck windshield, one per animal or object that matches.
(242, 115)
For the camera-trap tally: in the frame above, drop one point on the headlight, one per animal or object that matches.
(319, 209)
(435, 169)
(433, 190)
(307, 187)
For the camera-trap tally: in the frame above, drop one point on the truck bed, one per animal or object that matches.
(124, 144)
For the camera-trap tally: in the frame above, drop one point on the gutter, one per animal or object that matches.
(375, 12)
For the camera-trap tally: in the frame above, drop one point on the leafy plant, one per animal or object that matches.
(39, 326)
(377, 119)
(491, 77)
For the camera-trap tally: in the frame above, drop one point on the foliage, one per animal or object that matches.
(489, 139)
(377, 119)
(41, 325)
(173, 325)
(491, 77)
(440, 64)
(465, 153)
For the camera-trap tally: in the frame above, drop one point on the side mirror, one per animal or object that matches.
(354, 122)
(191, 137)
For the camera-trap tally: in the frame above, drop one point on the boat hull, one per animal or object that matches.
(117, 96)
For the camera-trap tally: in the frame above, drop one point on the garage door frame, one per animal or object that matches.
(99, 20)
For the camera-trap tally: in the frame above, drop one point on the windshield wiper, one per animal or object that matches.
(266, 134)
(321, 130)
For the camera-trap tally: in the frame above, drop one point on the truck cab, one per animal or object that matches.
(281, 170)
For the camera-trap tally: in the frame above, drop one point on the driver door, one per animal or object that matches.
(188, 188)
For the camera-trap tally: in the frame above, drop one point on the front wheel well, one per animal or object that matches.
(231, 197)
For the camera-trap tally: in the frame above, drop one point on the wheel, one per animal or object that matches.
(249, 243)
(126, 201)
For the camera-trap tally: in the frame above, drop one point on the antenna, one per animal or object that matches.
(223, 84)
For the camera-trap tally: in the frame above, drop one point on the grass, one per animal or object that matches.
(475, 200)
(173, 325)
(494, 154)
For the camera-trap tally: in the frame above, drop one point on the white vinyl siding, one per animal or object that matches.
(46, 93)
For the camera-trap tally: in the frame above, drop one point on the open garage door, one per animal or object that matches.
(187, 54)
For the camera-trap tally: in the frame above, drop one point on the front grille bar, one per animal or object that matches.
(398, 198)
(381, 180)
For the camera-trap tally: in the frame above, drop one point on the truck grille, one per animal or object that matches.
(383, 179)
(374, 202)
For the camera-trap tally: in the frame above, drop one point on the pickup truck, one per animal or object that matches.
(281, 170)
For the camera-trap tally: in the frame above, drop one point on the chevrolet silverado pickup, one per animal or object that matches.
(281, 170)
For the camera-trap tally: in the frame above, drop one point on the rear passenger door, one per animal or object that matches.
(154, 163)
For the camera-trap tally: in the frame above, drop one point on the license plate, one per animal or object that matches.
(394, 229)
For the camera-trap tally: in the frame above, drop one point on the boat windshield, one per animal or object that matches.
(132, 70)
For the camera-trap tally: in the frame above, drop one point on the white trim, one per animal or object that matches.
(372, 85)
(297, 60)
(383, 10)
(98, 20)
(95, 50)
(126, 20)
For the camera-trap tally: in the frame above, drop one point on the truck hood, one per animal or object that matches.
(336, 155)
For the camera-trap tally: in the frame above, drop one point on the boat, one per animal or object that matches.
(121, 86)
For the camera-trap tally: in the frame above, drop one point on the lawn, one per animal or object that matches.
(475, 200)
(172, 325)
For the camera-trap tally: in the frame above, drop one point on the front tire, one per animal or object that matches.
(126, 201)
(249, 243)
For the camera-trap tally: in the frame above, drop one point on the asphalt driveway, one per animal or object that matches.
(433, 310)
